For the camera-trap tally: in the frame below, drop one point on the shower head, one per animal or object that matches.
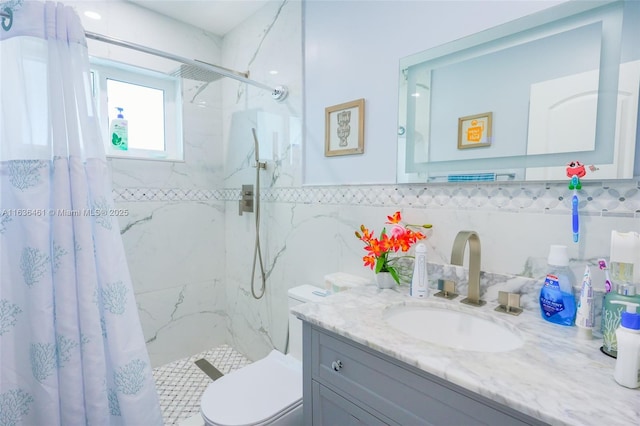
(203, 73)
(255, 142)
(259, 164)
(196, 73)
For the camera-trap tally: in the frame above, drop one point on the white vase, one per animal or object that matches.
(385, 280)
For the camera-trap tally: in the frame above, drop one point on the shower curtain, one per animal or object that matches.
(71, 345)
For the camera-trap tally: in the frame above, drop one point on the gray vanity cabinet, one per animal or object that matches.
(346, 383)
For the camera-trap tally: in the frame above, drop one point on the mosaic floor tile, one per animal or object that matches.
(180, 384)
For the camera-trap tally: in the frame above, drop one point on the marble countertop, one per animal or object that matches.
(555, 376)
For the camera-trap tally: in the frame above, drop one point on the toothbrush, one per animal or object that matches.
(575, 222)
(602, 264)
(575, 183)
(575, 170)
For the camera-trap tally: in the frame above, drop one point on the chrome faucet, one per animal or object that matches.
(457, 254)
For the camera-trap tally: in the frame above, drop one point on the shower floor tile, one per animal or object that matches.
(180, 384)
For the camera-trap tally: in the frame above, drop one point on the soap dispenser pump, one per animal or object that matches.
(627, 369)
(120, 131)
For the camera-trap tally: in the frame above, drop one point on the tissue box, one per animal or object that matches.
(341, 281)
(625, 257)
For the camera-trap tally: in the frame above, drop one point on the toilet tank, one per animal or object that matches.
(297, 296)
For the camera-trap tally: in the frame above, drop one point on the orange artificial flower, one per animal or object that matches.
(379, 249)
(396, 218)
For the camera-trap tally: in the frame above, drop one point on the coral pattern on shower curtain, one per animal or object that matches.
(71, 345)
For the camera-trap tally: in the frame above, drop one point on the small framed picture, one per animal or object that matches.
(344, 129)
(474, 131)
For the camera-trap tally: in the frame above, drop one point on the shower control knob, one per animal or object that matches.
(336, 365)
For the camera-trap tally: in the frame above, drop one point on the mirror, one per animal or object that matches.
(522, 100)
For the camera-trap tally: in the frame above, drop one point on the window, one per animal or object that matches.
(149, 101)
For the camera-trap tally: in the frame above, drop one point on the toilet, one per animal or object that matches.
(268, 391)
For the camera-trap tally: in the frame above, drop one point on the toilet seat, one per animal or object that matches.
(269, 389)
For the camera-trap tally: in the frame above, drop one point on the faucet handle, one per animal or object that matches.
(509, 303)
(447, 289)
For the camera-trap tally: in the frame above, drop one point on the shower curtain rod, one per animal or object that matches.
(278, 93)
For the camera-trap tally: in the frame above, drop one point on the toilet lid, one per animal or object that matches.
(254, 394)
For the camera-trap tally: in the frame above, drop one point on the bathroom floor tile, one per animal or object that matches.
(180, 384)
(192, 421)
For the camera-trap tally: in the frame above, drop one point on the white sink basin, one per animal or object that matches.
(454, 328)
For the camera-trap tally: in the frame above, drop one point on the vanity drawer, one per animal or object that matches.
(404, 394)
(329, 408)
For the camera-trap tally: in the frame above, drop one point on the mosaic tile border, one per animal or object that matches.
(167, 194)
(614, 198)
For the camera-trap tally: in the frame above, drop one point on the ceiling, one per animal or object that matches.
(215, 16)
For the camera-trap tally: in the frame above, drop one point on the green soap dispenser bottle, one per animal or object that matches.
(120, 131)
(611, 315)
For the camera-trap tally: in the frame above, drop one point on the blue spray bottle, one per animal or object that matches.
(557, 302)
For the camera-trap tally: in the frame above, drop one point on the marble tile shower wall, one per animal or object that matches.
(178, 274)
(269, 45)
(176, 235)
(176, 267)
(177, 271)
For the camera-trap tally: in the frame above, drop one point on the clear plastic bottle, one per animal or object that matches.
(419, 280)
(557, 302)
(612, 315)
(627, 369)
